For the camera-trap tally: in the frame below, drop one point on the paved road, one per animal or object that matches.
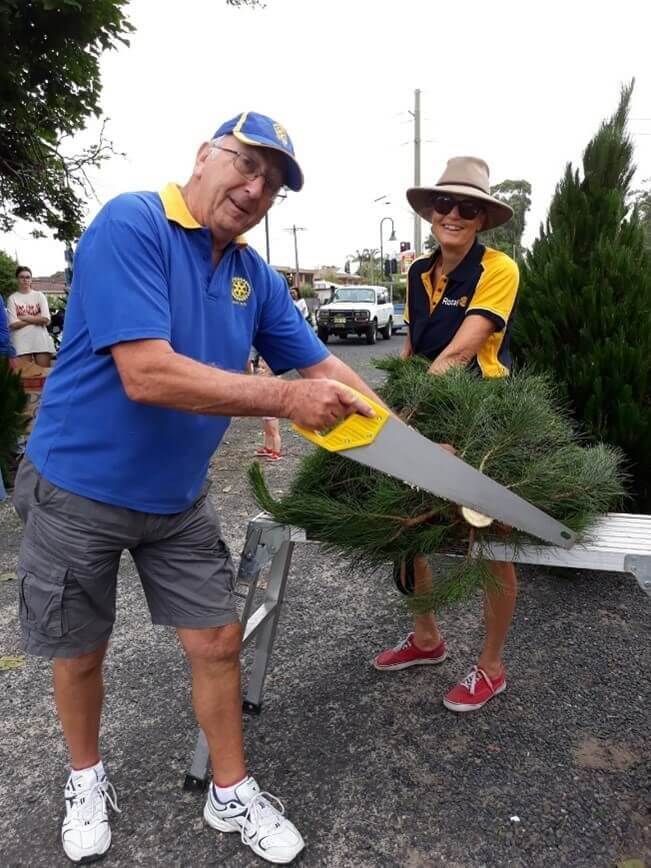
(371, 767)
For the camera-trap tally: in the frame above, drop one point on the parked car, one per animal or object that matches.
(357, 310)
(398, 317)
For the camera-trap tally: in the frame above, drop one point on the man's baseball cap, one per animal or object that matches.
(261, 131)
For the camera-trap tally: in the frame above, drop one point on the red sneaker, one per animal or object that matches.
(408, 654)
(273, 456)
(262, 452)
(474, 691)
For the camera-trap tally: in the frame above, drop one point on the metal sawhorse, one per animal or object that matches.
(266, 543)
(617, 542)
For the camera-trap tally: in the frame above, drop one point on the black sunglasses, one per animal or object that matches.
(468, 208)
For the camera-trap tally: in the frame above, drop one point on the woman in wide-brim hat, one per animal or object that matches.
(459, 309)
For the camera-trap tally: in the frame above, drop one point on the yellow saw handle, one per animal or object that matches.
(352, 431)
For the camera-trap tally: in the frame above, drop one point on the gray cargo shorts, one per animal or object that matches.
(69, 559)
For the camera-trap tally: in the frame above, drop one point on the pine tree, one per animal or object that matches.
(513, 428)
(585, 300)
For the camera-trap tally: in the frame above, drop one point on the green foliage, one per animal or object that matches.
(507, 238)
(7, 275)
(49, 87)
(641, 199)
(57, 303)
(514, 429)
(585, 301)
(369, 267)
(13, 402)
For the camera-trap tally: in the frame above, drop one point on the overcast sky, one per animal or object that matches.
(522, 84)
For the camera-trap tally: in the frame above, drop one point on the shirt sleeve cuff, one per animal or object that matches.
(104, 343)
(489, 314)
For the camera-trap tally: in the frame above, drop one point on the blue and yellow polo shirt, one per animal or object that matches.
(485, 282)
(144, 269)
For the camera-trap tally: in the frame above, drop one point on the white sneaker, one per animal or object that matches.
(85, 833)
(261, 826)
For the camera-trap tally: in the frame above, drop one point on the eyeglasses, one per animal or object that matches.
(250, 169)
(468, 208)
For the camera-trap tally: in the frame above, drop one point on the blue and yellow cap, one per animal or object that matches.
(263, 132)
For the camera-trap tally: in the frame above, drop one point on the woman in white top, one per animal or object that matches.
(29, 316)
(299, 302)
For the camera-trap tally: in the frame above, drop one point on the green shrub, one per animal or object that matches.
(13, 423)
(584, 314)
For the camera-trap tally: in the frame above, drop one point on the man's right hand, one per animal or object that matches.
(319, 404)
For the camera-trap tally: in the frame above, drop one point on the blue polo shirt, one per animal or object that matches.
(143, 269)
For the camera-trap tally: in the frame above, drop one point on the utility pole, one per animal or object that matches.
(417, 224)
(294, 229)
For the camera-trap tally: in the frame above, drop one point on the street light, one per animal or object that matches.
(392, 237)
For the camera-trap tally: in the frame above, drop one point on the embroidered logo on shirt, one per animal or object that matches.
(456, 302)
(281, 134)
(240, 290)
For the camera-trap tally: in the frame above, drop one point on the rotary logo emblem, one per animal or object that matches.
(463, 301)
(281, 134)
(240, 290)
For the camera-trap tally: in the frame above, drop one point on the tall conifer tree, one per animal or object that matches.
(585, 300)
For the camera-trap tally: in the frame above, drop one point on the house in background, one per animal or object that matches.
(54, 285)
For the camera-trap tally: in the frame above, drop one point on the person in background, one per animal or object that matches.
(8, 352)
(29, 316)
(271, 449)
(6, 347)
(299, 302)
(460, 303)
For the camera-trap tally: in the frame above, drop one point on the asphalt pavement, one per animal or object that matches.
(371, 767)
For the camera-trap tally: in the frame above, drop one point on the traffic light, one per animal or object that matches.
(404, 245)
(347, 266)
(387, 266)
(394, 265)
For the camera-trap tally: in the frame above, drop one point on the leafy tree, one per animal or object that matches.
(586, 296)
(508, 237)
(430, 244)
(49, 87)
(369, 266)
(641, 199)
(7, 275)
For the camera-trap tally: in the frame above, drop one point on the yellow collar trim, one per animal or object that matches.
(175, 207)
(177, 211)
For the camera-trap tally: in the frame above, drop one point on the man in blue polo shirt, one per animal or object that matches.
(167, 300)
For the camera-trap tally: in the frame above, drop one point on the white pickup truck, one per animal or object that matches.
(360, 310)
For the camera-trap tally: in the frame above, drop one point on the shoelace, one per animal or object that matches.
(406, 643)
(83, 802)
(475, 675)
(261, 815)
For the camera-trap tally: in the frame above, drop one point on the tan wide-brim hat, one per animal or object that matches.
(467, 177)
